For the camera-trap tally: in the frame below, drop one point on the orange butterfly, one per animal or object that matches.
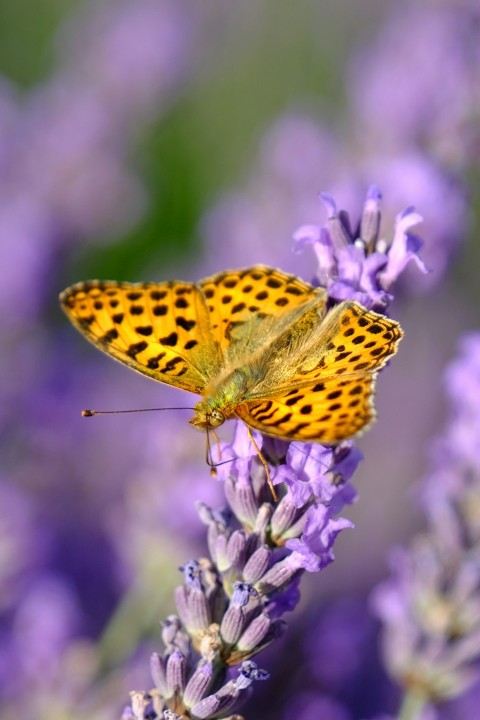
(257, 344)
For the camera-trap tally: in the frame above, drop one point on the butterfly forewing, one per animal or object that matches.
(244, 303)
(160, 330)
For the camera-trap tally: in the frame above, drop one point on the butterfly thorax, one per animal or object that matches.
(221, 399)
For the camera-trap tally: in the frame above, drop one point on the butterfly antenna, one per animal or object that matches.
(264, 463)
(91, 413)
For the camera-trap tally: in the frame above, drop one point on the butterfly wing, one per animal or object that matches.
(246, 307)
(159, 329)
(324, 391)
(326, 411)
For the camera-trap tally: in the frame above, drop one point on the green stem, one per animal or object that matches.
(412, 706)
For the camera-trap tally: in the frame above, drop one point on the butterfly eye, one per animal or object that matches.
(216, 418)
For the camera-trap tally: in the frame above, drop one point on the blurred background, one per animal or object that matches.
(160, 139)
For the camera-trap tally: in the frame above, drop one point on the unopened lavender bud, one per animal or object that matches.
(198, 684)
(175, 673)
(371, 217)
(259, 635)
(336, 223)
(181, 601)
(262, 520)
(275, 578)
(193, 608)
(232, 625)
(255, 633)
(284, 515)
(257, 564)
(212, 705)
(217, 544)
(206, 707)
(236, 549)
(157, 671)
(242, 500)
(198, 610)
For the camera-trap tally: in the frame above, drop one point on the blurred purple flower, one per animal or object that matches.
(133, 53)
(431, 605)
(337, 644)
(64, 147)
(23, 545)
(277, 196)
(44, 623)
(315, 706)
(417, 84)
(295, 156)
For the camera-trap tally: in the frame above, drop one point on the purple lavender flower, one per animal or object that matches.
(356, 262)
(230, 605)
(430, 607)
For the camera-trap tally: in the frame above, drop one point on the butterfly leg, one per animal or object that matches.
(209, 459)
(264, 463)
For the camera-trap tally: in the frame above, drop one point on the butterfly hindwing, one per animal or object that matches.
(323, 411)
(158, 329)
(323, 389)
(351, 339)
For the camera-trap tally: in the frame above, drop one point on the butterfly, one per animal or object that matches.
(256, 344)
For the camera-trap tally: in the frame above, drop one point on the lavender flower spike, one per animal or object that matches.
(430, 606)
(231, 604)
(360, 264)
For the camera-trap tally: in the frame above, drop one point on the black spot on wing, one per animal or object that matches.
(136, 309)
(160, 310)
(145, 330)
(185, 324)
(136, 348)
(169, 340)
(190, 344)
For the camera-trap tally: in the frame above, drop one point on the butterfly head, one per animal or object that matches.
(207, 416)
